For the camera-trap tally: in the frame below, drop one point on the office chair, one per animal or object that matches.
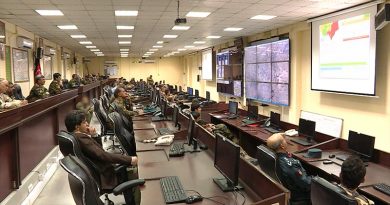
(101, 115)
(84, 188)
(126, 139)
(17, 92)
(127, 123)
(325, 193)
(267, 161)
(105, 102)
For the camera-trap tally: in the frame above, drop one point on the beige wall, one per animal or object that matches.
(12, 32)
(168, 69)
(363, 114)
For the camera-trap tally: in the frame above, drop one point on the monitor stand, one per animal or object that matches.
(194, 147)
(226, 186)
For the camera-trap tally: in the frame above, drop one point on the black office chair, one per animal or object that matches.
(102, 117)
(267, 161)
(325, 193)
(127, 123)
(105, 102)
(83, 186)
(126, 139)
(17, 92)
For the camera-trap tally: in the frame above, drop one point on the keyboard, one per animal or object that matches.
(302, 142)
(172, 190)
(158, 118)
(272, 130)
(248, 122)
(232, 116)
(177, 150)
(165, 131)
(384, 188)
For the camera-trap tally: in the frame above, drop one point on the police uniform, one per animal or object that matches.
(55, 88)
(293, 176)
(37, 92)
(74, 83)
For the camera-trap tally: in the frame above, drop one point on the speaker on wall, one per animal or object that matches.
(198, 78)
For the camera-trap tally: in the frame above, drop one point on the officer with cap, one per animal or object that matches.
(290, 171)
(38, 91)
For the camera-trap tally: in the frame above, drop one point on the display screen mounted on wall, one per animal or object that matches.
(207, 65)
(229, 72)
(267, 72)
(343, 53)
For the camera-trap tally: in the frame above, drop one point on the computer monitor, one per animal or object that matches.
(176, 88)
(175, 116)
(190, 91)
(180, 89)
(190, 133)
(253, 112)
(275, 119)
(163, 107)
(233, 107)
(361, 144)
(196, 93)
(207, 95)
(307, 128)
(226, 161)
(163, 81)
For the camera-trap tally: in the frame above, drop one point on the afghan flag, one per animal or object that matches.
(37, 67)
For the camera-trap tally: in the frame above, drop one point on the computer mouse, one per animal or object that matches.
(332, 156)
(193, 199)
(203, 147)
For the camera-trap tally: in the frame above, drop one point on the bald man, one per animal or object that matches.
(6, 102)
(290, 171)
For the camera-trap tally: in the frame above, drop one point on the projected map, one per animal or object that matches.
(264, 53)
(264, 92)
(281, 50)
(250, 54)
(251, 90)
(264, 72)
(280, 72)
(251, 72)
(280, 94)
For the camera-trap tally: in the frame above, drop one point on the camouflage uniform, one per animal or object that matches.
(149, 80)
(87, 110)
(55, 88)
(6, 102)
(37, 92)
(74, 83)
(126, 107)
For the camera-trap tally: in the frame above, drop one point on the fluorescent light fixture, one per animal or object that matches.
(67, 27)
(175, 52)
(94, 50)
(197, 14)
(124, 52)
(49, 12)
(147, 54)
(90, 46)
(232, 29)
(78, 36)
(181, 49)
(2, 36)
(153, 49)
(263, 17)
(125, 36)
(157, 46)
(214, 37)
(160, 42)
(181, 28)
(199, 42)
(124, 42)
(150, 52)
(170, 36)
(98, 52)
(124, 49)
(85, 42)
(126, 13)
(125, 27)
(189, 46)
(124, 56)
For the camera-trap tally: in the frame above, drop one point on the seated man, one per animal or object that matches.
(75, 81)
(55, 86)
(38, 91)
(85, 106)
(77, 124)
(352, 175)
(149, 80)
(123, 102)
(290, 171)
(6, 102)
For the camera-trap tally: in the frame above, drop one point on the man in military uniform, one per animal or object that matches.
(75, 81)
(38, 91)
(150, 80)
(55, 86)
(85, 106)
(290, 171)
(7, 102)
(123, 102)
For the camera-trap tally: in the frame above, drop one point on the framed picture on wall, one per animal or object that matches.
(2, 32)
(47, 67)
(20, 65)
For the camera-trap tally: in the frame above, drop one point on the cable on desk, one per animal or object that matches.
(210, 198)
(237, 191)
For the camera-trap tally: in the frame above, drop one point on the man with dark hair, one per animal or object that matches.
(75, 81)
(85, 106)
(149, 80)
(38, 91)
(352, 175)
(55, 86)
(76, 123)
(290, 171)
(123, 102)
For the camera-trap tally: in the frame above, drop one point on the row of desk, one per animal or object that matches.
(28, 133)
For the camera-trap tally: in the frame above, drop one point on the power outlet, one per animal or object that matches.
(30, 188)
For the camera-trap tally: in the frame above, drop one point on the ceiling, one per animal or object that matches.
(96, 20)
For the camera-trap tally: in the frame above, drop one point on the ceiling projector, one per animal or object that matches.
(180, 21)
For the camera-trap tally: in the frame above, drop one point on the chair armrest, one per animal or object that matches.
(127, 185)
(120, 168)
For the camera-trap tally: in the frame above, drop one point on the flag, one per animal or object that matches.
(37, 67)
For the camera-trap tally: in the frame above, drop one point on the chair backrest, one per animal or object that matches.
(324, 193)
(84, 189)
(267, 161)
(175, 116)
(100, 115)
(128, 123)
(105, 102)
(191, 128)
(18, 92)
(126, 139)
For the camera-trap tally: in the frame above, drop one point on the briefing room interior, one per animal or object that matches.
(152, 102)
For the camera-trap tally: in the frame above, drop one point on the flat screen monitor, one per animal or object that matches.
(361, 144)
(233, 107)
(175, 88)
(207, 95)
(180, 89)
(307, 128)
(226, 161)
(275, 119)
(191, 126)
(196, 93)
(175, 116)
(190, 91)
(253, 112)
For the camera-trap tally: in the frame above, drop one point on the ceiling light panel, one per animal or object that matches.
(170, 36)
(78, 36)
(90, 46)
(263, 17)
(49, 12)
(232, 29)
(126, 13)
(125, 36)
(213, 37)
(157, 46)
(125, 27)
(181, 28)
(85, 42)
(160, 42)
(67, 27)
(199, 42)
(197, 14)
(124, 42)
(124, 49)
